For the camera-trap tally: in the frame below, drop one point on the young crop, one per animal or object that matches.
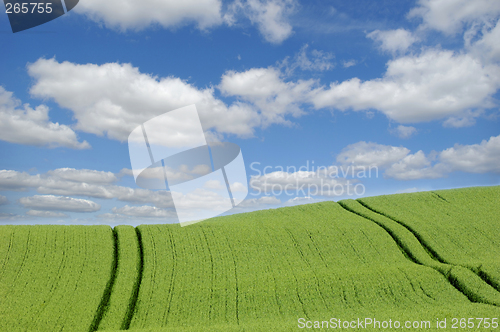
(53, 277)
(410, 257)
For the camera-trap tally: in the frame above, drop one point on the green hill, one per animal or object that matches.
(398, 259)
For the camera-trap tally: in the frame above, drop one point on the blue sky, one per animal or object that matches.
(409, 87)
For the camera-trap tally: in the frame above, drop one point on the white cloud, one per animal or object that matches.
(400, 165)
(325, 181)
(393, 41)
(430, 86)
(214, 185)
(201, 199)
(415, 166)
(449, 16)
(32, 126)
(113, 99)
(59, 203)
(136, 15)
(266, 90)
(270, 16)
(397, 162)
(58, 178)
(371, 154)
(467, 119)
(3, 200)
(144, 211)
(483, 43)
(51, 184)
(349, 63)
(317, 61)
(46, 214)
(259, 203)
(404, 131)
(238, 187)
(83, 175)
(475, 158)
(11, 217)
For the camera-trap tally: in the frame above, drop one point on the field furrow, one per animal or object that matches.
(463, 279)
(306, 261)
(406, 257)
(123, 293)
(459, 227)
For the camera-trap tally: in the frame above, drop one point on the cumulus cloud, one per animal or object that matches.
(31, 126)
(3, 200)
(433, 85)
(11, 217)
(475, 158)
(270, 16)
(46, 214)
(393, 41)
(325, 181)
(482, 41)
(371, 154)
(201, 199)
(268, 92)
(415, 166)
(50, 183)
(398, 163)
(214, 185)
(145, 211)
(405, 131)
(59, 203)
(83, 175)
(134, 15)
(112, 99)
(449, 16)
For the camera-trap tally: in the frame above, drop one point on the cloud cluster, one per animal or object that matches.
(450, 16)
(54, 183)
(59, 203)
(371, 154)
(266, 90)
(325, 181)
(400, 164)
(407, 131)
(271, 17)
(145, 211)
(31, 126)
(46, 214)
(393, 41)
(433, 85)
(133, 15)
(314, 60)
(112, 99)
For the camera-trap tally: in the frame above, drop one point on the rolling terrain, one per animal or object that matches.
(407, 257)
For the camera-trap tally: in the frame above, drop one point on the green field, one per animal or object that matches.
(408, 257)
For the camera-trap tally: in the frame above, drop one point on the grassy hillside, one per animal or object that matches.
(416, 257)
(54, 277)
